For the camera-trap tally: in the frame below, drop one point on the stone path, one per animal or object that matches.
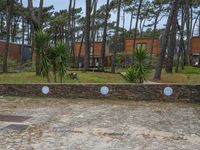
(58, 124)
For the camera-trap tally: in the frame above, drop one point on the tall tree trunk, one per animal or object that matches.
(73, 25)
(69, 22)
(191, 19)
(153, 38)
(116, 37)
(87, 34)
(140, 26)
(165, 38)
(29, 32)
(34, 19)
(37, 24)
(79, 52)
(23, 33)
(103, 49)
(1, 26)
(181, 43)
(188, 23)
(13, 29)
(172, 45)
(8, 22)
(124, 31)
(14, 33)
(40, 13)
(93, 30)
(178, 57)
(131, 22)
(136, 24)
(96, 35)
(23, 37)
(142, 29)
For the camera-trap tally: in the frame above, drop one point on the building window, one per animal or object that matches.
(91, 50)
(144, 45)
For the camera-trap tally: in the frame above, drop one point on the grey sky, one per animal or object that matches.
(63, 4)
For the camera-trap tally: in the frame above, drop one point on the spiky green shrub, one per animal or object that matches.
(61, 58)
(52, 55)
(141, 64)
(120, 59)
(139, 71)
(131, 75)
(42, 46)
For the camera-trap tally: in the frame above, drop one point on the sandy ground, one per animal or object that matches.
(61, 124)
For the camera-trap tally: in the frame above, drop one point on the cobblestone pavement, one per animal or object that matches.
(58, 124)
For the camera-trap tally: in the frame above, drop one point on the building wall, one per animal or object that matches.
(77, 48)
(129, 45)
(97, 52)
(97, 49)
(14, 50)
(195, 45)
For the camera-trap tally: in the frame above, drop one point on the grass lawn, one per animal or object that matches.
(83, 77)
(190, 75)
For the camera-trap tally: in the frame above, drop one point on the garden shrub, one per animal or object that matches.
(139, 71)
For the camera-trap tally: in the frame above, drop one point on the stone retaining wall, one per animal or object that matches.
(116, 91)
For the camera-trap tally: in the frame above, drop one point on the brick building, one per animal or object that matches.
(144, 42)
(15, 52)
(195, 50)
(195, 45)
(97, 54)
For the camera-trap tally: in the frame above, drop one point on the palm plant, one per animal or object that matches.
(61, 58)
(52, 55)
(131, 75)
(138, 72)
(42, 46)
(141, 64)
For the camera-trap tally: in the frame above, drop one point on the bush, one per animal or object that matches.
(120, 59)
(42, 46)
(138, 72)
(131, 75)
(61, 59)
(51, 57)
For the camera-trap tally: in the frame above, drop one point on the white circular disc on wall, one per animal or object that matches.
(45, 89)
(104, 90)
(168, 91)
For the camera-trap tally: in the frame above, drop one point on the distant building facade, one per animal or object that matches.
(95, 54)
(15, 51)
(195, 45)
(144, 42)
(195, 50)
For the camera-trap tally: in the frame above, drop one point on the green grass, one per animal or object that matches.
(190, 75)
(83, 77)
(191, 70)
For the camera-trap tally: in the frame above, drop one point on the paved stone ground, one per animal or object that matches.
(58, 124)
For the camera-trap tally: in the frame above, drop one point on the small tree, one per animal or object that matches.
(138, 72)
(61, 59)
(131, 75)
(52, 55)
(42, 46)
